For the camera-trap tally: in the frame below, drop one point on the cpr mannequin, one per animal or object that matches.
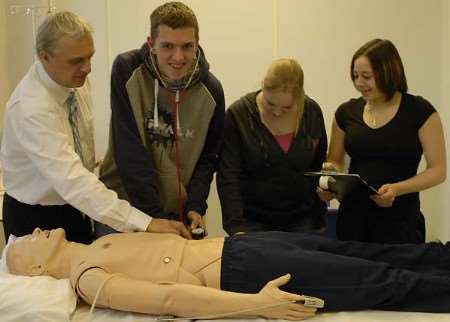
(179, 293)
(166, 274)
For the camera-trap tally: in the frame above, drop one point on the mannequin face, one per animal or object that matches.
(174, 50)
(31, 254)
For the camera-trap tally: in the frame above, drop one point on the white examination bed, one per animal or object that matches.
(360, 316)
(39, 299)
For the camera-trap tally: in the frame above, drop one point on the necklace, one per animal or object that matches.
(371, 117)
(378, 114)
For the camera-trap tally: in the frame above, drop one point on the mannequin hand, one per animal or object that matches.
(386, 195)
(168, 226)
(196, 221)
(325, 195)
(328, 166)
(271, 294)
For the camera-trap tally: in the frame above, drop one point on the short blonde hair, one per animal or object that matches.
(58, 25)
(286, 74)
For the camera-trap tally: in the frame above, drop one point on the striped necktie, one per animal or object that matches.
(72, 103)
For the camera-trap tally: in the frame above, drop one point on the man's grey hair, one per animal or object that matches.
(58, 25)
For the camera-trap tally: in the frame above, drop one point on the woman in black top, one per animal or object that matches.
(385, 132)
(271, 138)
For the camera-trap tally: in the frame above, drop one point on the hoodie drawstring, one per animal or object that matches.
(177, 156)
(155, 108)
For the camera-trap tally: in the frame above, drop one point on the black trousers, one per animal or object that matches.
(365, 221)
(21, 219)
(348, 275)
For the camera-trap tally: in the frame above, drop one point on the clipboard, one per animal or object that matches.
(345, 185)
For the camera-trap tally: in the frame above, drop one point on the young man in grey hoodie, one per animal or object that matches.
(166, 121)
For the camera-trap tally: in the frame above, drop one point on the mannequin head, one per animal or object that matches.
(34, 254)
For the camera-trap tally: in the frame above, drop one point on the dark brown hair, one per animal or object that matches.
(175, 15)
(386, 64)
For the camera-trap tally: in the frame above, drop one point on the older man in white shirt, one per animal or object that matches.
(47, 152)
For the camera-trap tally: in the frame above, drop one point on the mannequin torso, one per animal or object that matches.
(202, 259)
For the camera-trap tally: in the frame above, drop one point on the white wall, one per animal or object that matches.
(4, 79)
(241, 37)
(19, 38)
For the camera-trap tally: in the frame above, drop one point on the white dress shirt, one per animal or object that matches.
(40, 165)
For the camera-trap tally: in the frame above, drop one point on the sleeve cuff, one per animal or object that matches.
(138, 221)
(197, 207)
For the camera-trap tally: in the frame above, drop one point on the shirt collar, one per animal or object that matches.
(60, 93)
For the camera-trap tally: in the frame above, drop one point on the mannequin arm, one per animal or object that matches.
(126, 294)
